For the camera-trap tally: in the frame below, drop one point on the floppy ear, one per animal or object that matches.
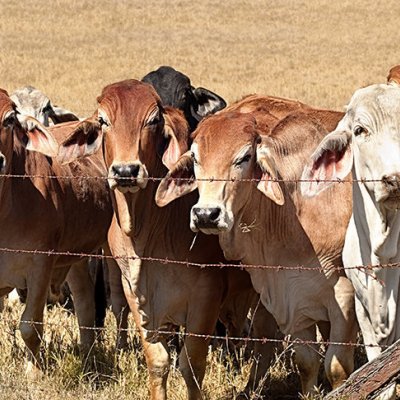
(84, 140)
(332, 160)
(267, 185)
(208, 102)
(179, 181)
(59, 115)
(176, 131)
(35, 137)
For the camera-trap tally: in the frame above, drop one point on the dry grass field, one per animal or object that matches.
(317, 51)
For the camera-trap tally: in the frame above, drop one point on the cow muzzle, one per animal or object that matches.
(210, 220)
(127, 177)
(388, 192)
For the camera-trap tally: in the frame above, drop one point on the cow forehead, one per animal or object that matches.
(132, 99)
(376, 100)
(29, 96)
(220, 137)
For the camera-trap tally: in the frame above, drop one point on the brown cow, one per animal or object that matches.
(84, 281)
(282, 227)
(394, 75)
(141, 139)
(41, 213)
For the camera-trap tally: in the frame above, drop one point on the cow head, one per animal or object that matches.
(228, 157)
(175, 90)
(367, 139)
(32, 102)
(136, 132)
(394, 75)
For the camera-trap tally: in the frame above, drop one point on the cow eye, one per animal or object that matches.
(359, 130)
(103, 122)
(154, 120)
(194, 158)
(9, 120)
(47, 108)
(244, 159)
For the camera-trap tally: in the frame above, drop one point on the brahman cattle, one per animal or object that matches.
(33, 102)
(40, 213)
(367, 142)
(245, 166)
(175, 90)
(142, 140)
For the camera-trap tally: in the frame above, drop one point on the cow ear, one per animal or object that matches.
(179, 181)
(332, 160)
(84, 140)
(35, 137)
(208, 102)
(176, 131)
(269, 184)
(59, 115)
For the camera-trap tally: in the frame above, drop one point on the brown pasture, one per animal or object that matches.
(316, 51)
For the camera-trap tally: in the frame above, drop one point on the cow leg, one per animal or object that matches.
(158, 362)
(192, 363)
(119, 303)
(38, 284)
(307, 359)
(339, 359)
(264, 326)
(82, 288)
(202, 318)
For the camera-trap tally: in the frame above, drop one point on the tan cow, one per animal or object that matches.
(43, 213)
(283, 229)
(141, 139)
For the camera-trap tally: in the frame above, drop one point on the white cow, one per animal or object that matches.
(367, 142)
(33, 102)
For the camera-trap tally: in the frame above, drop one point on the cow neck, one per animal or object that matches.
(265, 233)
(377, 228)
(373, 238)
(144, 222)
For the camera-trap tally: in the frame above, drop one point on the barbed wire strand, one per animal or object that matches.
(191, 179)
(182, 334)
(319, 268)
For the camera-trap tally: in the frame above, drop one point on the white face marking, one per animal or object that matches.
(103, 115)
(194, 148)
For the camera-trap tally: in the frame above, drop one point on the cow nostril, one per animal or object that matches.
(115, 170)
(214, 213)
(134, 170)
(392, 181)
(196, 211)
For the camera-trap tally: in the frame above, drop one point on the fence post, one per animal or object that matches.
(371, 377)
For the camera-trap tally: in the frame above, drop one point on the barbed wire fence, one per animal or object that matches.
(367, 269)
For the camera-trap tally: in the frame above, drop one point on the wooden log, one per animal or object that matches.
(371, 377)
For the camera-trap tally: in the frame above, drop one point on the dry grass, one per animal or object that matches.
(317, 51)
(110, 375)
